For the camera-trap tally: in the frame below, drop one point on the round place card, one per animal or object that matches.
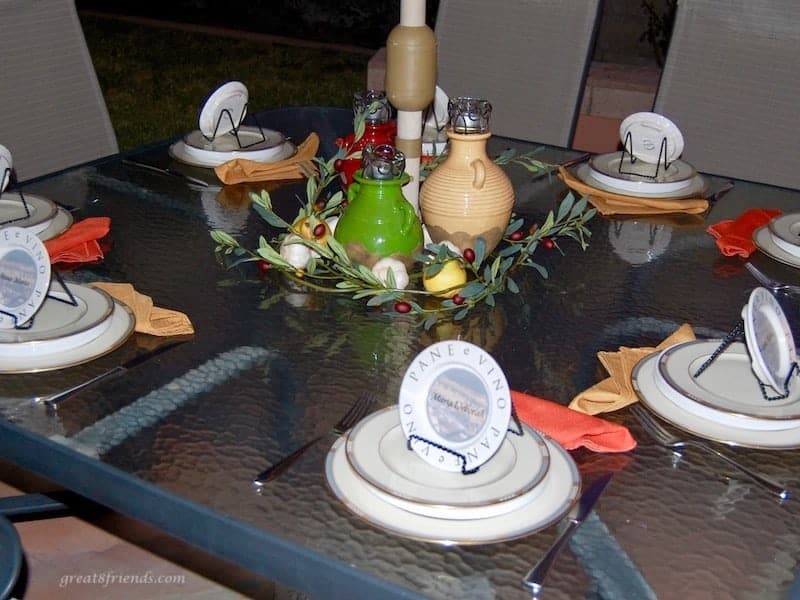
(6, 163)
(224, 109)
(769, 339)
(24, 275)
(455, 405)
(648, 131)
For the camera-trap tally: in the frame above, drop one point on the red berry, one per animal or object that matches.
(319, 230)
(469, 254)
(320, 205)
(516, 236)
(402, 307)
(343, 204)
(548, 243)
(264, 266)
(458, 300)
(338, 164)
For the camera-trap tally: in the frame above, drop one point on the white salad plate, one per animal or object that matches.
(559, 492)
(727, 390)
(377, 451)
(58, 326)
(785, 232)
(230, 97)
(644, 382)
(647, 131)
(697, 186)
(41, 212)
(195, 150)
(122, 323)
(637, 175)
(57, 225)
(765, 241)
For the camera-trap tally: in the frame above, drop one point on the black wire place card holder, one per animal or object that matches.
(223, 112)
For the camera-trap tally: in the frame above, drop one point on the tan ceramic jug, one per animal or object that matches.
(467, 196)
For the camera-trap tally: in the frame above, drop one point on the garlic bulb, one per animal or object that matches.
(295, 252)
(384, 265)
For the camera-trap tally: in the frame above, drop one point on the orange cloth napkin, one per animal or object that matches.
(609, 203)
(570, 428)
(150, 319)
(617, 391)
(79, 243)
(735, 237)
(241, 170)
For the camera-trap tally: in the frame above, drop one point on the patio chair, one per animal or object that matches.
(529, 59)
(731, 84)
(52, 111)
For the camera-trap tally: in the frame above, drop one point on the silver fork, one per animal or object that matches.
(768, 282)
(355, 413)
(669, 440)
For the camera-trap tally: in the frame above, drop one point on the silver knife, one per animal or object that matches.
(534, 580)
(53, 400)
(166, 171)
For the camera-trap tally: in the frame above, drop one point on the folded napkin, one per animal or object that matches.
(609, 203)
(150, 319)
(617, 391)
(79, 243)
(570, 428)
(735, 237)
(241, 170)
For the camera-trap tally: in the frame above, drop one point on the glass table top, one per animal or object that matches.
(271, 366)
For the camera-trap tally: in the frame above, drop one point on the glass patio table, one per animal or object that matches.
(177, 441)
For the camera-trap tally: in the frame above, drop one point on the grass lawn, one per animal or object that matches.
(155, 80)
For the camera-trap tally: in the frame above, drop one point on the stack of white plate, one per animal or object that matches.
(643, 135)
(220, 136)
(63, 335)
(253, 143)
(724, 403)
(780, 239)
(529, 484)
(42, 216)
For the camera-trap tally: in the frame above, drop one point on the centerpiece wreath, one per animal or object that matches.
(307, 253)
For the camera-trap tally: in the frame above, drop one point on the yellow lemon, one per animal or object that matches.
(451, 275)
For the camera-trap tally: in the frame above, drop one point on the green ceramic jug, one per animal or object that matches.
(379, 221)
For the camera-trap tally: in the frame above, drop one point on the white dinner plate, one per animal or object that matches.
(561, 487)
(637, 177)
(230, 98)
(785, 231)
(696, 188)
(644, 382)
(727, 390)
(377, 451)
(194, 150)
(765, 241)
(12, 211)
(647, 131)
(119, 330)
(56, 226)
(59, 326)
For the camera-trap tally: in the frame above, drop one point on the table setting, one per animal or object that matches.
(510, 386)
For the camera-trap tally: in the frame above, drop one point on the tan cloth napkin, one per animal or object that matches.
(617, 391)
(609, 203)
(241, 170)
(150, 319)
